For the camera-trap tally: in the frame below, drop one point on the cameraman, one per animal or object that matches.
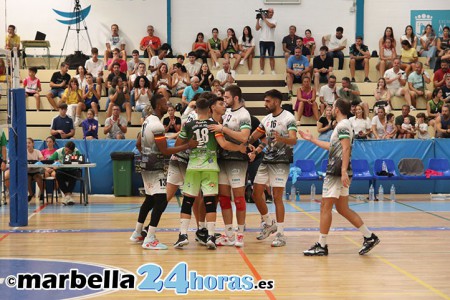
(267, 39)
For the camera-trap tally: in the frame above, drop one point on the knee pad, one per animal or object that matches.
(186, 206)
(240, 203)
(210, 204)
(225, 202)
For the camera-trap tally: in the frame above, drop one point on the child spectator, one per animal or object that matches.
(407, 126)
(32, 86)
(389, 128)
(422, 127)
(90, 126)
(309, 42)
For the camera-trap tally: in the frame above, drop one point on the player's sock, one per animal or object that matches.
(201, 225)
(151, 231)
(229, 230)
(267, 219)
(184, 225)
(138, 227)
(365, 231)
(280, 228)
(211, 228)
(241, 228)
(323, 239)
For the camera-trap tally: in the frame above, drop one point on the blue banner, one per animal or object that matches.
(437, 18)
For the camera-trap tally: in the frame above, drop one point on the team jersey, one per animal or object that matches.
(152, 130)
(235, 120)
(277, 153)
(183, 156)
(343, 130)
(204, 156)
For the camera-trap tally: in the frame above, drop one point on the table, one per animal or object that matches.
(38, 44)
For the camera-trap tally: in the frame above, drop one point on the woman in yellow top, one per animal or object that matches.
(408, 56)
(71, 96)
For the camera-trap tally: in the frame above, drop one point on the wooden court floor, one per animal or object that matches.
(411, 262)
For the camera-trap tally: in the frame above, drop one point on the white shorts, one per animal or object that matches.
(154, 182)
(275, 175)
(396, 92)
(333, 188)
(176, 172)
(233, 173)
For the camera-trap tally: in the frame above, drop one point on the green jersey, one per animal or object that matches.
(204, 157)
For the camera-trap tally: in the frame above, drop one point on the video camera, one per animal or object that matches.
(260, 13)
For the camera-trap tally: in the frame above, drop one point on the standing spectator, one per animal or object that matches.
(58, 83)
(157, 60)
(439, 75)
(200, 47)
(142, 93)
(206, 77)
(388, 34)
(215, 47)
(336, 43)
(226, 76)
(118, 95)
(247, 48)
(306, 101)
(434, 106)
(309, 42)
(326, 124)
(350, 92)
(409, 36)
(81, 76)
(400, 119)
(408, 57)
(422, 127)
(382, 96)
(297, 67)
(95, 66)
(396, 82)
(290, 42)
(190, 91)
(162, 82)
(192, 66)
(115, 125)
(442, 45)
(379, 124)
(428, 45)
(323, 67)
(446, 89)
(150, 44)
(115, 41)
(62, 125)
(180, 79)
(90, 126)
(34, 174)
(267, 39)
(133, 63)
(443, 123)
(417, 81)
(230, 47)
(387, 56)
(360, 123)
(91, 96)
(116, 59)
(328, 94)
(71, 96)
(12, 39)
(172, 123)
(359, 58)
(32, 86)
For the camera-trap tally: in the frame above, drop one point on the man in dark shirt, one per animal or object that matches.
(58, 83)
(446, 89)
(305, 50)
(289, 42)
(323, 67)
(115, 72)
(359, 58)
(62, 125)
(399, 120)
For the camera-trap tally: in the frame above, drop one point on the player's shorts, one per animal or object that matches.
(154, 182)
(275, 175)
(176, 172)
(333, 188)
(205, 181)
(233, 173)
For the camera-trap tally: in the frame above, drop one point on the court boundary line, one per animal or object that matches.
(35, 212)
(424, 211)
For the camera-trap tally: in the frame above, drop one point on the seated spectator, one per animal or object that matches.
(32, 86)
(388, 34)
(350, 92)
(114, 41)
(191, 91)
(309, 42)
(247, 48)
(297, 67)
(141, 71)
(67, 177)
(230, 47)
(408, 57)
(116, 59)
(434, 106)
(90, 126)
(12, 39)
(142, 93)
(409, 36)
(150, 44)
(443, 123)
(304, 50)
(81, 76)
(157, 60)
(442, 45)
(115, 125)
(34, 174)
(200, 48)
(323, 67)
(62, 125)
(382, 96)
(408, 129)
(133, 63)
(118, 95)
(215, 86)
(226, 76)
(162, 82)
(58, 83)
(215, 47)
(417, 81)
(336, 43)
(2, 71)
(47, 153)
(359, 59)
(428, 45)
(379, 123)
(180, 60)
(95, 66)
(399, 120)
(387, 56)
(325, 125)
(396, 82)
(290, 42)
(327, 94)
(91, 95)
(193, 67)
(72, 96)
(439, 75)
(389, 128)
(446, 89)
(115, 72)
(206, 78)
(172, 123)
(422, 127)
(360, 123)
(180, 79)
(306, 101)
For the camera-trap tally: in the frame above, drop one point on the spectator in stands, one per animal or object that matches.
(350, 92)
(422, 127)
(439, 75)
(95, 66)
(180, 60)
(290, 42)
(81, 76)
(434, 106)
(157, 60)
(387, 56)
(417, 81)
(309, 42)
(34, 174)
(2, 71)
(118, 95)
(180, 79)
(71, 96)
(141, 71)
(442, 44)
(446, 89)
(116, 59)
(133, 63)
(336, 43)
(142, 93)
(304, 50)
(396, 82)
(326, 124)
(409, 130)
(226, 76)
(215, 47)
(162, 82)
(390, 129)
(388, 34)
(90, 126)
(12, 39)
(359, 58)
(215, 85)
(360, 124)
(247, 48)
(58, 83)
(206, 77)
(297, 67)
(47, 153)
(66, 177)
(32, 86)
(323, 67)
(408, 57)
(172, 123)
(62, 125)
(382, 96)
(115, 73)
(193, 66)
(428, 45)
(150, 44)
(409, 36)
(267, 25)
(114, 41)
(91, 95)
(328, 94)
(200, 47)
(379, 124)
(230, 47)
(190, 91)
(443, 123)
(115, 125)
(400, 119)
(306, 101)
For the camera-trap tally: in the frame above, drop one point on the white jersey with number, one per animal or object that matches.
(235, 120)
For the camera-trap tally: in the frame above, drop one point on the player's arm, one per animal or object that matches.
(309, 137)
(161, 143)
(228, 145)
(346, 149)
(290, 140)
(259, 132)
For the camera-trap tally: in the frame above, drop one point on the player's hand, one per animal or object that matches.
(252, 156)
(345, 180)
(243, 148)
(307, 136)
(193, 143)
(277, 137)
(215, 127)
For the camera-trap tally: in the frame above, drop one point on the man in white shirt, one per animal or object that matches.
(267, 39)
(193, 66)
(336, 43)
(156, 60)
(95, 66)
(115, 41)
(396, 81)
(327, 94)
(226, 76)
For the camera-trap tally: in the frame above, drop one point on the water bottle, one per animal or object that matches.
(392, 193)
(371, 193)
(381, 193)
(293, 191)
(384, 167)
(297, 196)
(313, 192)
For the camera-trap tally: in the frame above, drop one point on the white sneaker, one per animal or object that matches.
(224, 240)
(217, 65)
(77, 122)
(152, 243)
(412, 108)
(136, 237)
(273, 72)
(267, 230)
(250, 72)
(279, 241)
(261, 72)
(96, 118)
(235, 72)
(239, 240)
(242, 62)
(68, 200)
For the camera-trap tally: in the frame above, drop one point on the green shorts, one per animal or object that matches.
(206, 181)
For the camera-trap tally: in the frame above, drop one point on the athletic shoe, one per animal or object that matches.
(136, 237)
(279, 241)
(225, 240)
(369, 243)
(261, 72)
(152, 243)
(41, 198)
(412, 108)
(144, 232)
(30, 197)
(242, 62)
(68, 200)
(353, 79)
(367, 79)
(239, 240)
(210, 243)
(201, 235)
(250, 72)
(290, 94)
(182, 241)
(267, 230)
(316, 250)
(77, 122)
(217, 65)
(273, 72)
